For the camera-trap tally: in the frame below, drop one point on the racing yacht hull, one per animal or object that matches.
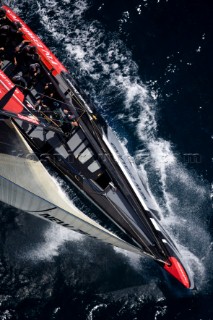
(88, 154)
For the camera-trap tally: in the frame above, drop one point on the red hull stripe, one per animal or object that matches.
(14, 104)
(177, 271)
(47, 57)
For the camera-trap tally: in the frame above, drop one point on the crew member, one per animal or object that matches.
(2, 53)
(10, 33)
(4, 34)
(34, 70)
(42, 104)
(49, 89)
(20, 81)
(32, 74)
(70, 118)
(29, 53)
(3, 17)
(18, 57)
(16, 33)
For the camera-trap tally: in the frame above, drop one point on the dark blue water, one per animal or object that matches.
(148, 67)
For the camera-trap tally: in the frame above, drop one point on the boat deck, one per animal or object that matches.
(70, 141)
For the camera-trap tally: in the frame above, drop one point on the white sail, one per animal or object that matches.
(26, 185)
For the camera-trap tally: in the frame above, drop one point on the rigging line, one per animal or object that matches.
(77, 100)
(17, 99)
(133, 230)
(81, 116)
(61, 120)
(97, 133)
(49, 119)
(149, 249)
(43, 95)
(147, 225)
(104, 194)
(124, 218)
(54, 99)
(74, 94)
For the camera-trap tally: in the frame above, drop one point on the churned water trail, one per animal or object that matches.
(47, 281)
(107, 71)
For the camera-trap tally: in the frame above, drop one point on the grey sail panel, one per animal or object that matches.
(21, 198)
(25, 184)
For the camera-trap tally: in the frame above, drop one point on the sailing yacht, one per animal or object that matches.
(44, 111)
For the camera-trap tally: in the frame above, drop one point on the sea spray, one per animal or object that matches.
(109, 74)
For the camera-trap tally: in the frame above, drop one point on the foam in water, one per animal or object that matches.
(55, 236)
(113, 80)
(133, 258)
(91, 313)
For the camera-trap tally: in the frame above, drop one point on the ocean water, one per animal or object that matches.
(147, 65)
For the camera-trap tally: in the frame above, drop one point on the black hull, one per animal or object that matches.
(85, 151)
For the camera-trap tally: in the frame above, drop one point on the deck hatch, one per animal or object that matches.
(94, 166)
(80, 148)
(85, 155)
(76, 139)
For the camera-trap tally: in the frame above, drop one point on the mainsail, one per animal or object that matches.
(26, 185)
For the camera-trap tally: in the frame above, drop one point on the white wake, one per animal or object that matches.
(109, 74)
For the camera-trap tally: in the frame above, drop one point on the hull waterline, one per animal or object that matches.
(86, 152)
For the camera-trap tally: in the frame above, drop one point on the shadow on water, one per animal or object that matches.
(80, 278)
(84, 280)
